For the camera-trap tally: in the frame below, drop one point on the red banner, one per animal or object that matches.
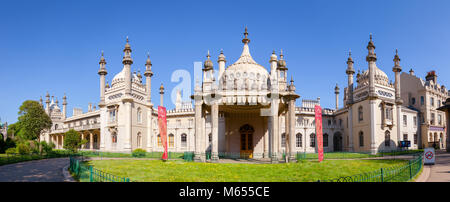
(162, 123)
(318, 113)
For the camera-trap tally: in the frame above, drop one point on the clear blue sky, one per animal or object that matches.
(55, 46)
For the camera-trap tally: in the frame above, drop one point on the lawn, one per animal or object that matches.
(180, 171)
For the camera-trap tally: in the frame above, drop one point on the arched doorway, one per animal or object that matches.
(337, 142)
(246, 132)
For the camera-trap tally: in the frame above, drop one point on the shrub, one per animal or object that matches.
(138, 153)
(11, 150)
(46, 148)
(23, 148)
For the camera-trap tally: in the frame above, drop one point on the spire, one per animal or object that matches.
(397, 67)
(246, 40)
(102, 59)
(336, 89)
(107, 85)
(127, 54)
(371, 49)
(350, 62)
(139, 74)
(102, 70)
(40, 101)
(56, 101)
(148, 66)
(64, 99)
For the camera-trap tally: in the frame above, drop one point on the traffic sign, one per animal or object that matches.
(429, 156)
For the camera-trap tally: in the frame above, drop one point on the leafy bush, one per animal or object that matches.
(11, 150)
(23, 148)
(138, 153)
(46, 147)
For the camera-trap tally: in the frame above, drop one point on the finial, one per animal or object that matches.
(221, 51)
(246, 40)
(349, 52)
(273, 52)
(396, 51)
(127, 39)
(370, 36)
(148, 55)
(102, 53)
(208, 56)
(292, 79)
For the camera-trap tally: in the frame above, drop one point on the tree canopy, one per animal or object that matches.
(72, 140)
(32, 121)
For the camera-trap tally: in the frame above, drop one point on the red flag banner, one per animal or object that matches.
(162, 123)
(318, 114)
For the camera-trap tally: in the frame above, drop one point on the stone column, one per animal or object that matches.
(291, 113)
(82, 138)
(266, 137)
(373, 146)
(215, 132)
(198, 132)
(274, 132)
(62, 142)
(127, 141)
(287, 138)
(91, 141)
(149, 127)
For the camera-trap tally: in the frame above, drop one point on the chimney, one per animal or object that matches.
(431, 75)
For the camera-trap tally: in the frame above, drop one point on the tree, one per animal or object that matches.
(32, 121)
(72, 140)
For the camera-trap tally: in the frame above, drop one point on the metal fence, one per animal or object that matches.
(402, 173)
(85, 173)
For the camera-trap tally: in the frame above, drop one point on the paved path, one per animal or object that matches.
(46, 170)
(440, 172)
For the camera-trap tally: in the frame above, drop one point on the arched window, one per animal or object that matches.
(183, 140)
(139, 140)
(283, 140)
(159, 141)
(298, 140)
(312, 139)
(360, 113)
(361, 139)
(139, 115)
(171, 140)
(114, 138)
(325, 140)
(387, 139)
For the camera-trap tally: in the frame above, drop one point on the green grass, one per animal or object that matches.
(158, 155)
(180, 171)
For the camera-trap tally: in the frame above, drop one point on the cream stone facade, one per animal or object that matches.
(247, 110)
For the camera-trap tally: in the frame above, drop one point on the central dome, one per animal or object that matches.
(380, 77)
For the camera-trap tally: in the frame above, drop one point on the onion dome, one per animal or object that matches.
(102, 60)
(208, 65)
(281, 63)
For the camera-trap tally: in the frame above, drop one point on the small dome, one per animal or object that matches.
(380, 77)
(208, 65)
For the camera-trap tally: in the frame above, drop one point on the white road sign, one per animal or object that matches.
(428, 156)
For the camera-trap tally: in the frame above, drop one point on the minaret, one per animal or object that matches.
(350, 71)
(148, 79)
(102, 72)
(207, 73)
(336, 92)
(221, 62)
(127, 99)
(371, 59)
(40, 101)
(161, 92)
(282, 72)
(127, 62)
(397, 69)
(47, 103)
(273, 64)
(398, 101)
(64, 107)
